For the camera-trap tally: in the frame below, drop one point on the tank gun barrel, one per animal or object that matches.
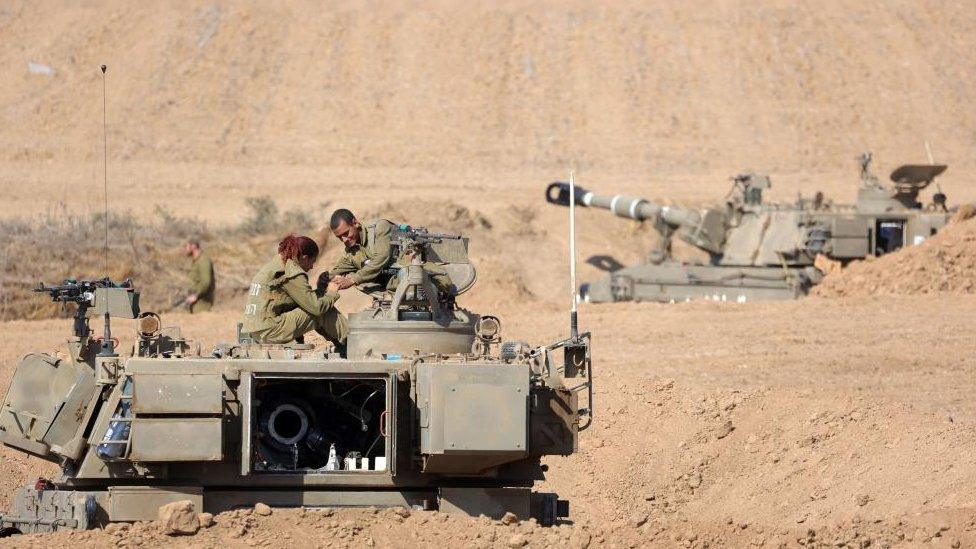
(622, 206)
(704, 229)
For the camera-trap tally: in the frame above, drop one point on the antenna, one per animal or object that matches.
(573, 325)
(105, 163)
(108, 344)
(939, 199)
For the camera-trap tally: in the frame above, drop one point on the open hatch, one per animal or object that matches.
(316, 424)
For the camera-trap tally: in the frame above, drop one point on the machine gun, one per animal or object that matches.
(82, 293)
(417, 305)
(98, 297)
(407, 240)
(412, 248)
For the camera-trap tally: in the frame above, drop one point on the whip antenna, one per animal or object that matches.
(105, 163)
(573, 326)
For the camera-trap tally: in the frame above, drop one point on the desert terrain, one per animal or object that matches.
(843, 419)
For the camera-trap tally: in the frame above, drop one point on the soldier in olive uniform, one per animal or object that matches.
(282, 306)
(369, 257)
(202, 281)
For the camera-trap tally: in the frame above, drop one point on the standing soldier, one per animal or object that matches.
(368, 259)
(202, 280)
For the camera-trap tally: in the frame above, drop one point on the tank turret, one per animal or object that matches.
(764, 250)
(417, 318)
(400, 422)
(902, 193)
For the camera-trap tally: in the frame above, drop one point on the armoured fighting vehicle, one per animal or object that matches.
(764, 250)
(429, 409)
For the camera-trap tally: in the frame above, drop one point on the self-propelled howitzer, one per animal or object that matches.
(430, 409)
(764, 250)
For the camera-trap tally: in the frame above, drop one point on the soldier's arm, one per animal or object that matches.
(343, 266)
(439, 276)
(305, 297)
(378, 255)
(205, 277)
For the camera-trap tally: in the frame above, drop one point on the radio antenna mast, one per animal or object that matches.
(573, 324)
(105, 163)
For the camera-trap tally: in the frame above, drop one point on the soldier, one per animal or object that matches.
(282, 306)
(368, 262)
(202, 279)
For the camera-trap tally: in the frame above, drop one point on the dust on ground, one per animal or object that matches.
(945, 262)
(213, 102)
(824, 420)
(844, 422)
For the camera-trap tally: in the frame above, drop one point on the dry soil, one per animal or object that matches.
(828, 421)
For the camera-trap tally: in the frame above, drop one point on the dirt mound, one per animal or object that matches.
(435, 84)
(715, 423)
(688, 473)
(442, 216)
(848, 431)
(944, 263)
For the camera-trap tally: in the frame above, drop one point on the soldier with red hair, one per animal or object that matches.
(282, 306)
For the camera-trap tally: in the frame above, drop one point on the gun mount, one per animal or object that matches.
(764, 250)
(431, 410)
(99, 297)
(449, 252)
(418, 315)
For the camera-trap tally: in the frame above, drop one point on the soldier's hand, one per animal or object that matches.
(332, 287)
(191, 299)
(323, 281)
(344, 282)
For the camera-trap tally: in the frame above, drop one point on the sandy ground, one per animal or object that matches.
(209, 102)
(846, 421)
(726, 423)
